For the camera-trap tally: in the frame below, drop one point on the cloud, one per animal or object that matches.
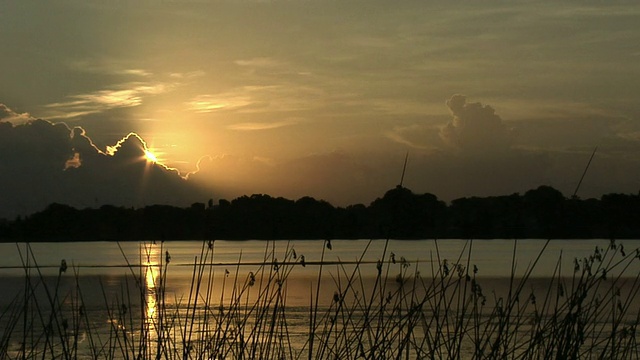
(336, 176)
(253, 126)
(137, 72)
(477, 167)
(475, 129)
(123, 96)
(415, 136)
(451, 176)
(260, 62)
(107, 67)
(206, 103)
(6, 114)
(270, 98)
(187, 75)
(42, 162)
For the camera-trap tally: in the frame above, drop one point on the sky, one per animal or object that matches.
(320, 98)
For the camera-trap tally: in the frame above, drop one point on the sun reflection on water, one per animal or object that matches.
(151, 278)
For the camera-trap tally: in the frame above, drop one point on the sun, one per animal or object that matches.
(150, 156)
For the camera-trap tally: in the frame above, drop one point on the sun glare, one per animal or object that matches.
(150, 156)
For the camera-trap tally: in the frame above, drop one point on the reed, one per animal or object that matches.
(442, 311)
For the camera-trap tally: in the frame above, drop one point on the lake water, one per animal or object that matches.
(492, 257)
(111, 260)
(108, 275)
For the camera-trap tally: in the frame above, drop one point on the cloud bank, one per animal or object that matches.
(473, 153)
(42, 162)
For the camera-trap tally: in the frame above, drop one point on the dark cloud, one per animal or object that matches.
(451, 176)
(346, 178)
(337, 177)
(477, 156)
(490, 160)
(42, 162)
(475, 128)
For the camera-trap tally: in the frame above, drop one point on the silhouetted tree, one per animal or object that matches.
(353, 222)
(402, 214)
(540, 213)
(622, 215)
(544, 211)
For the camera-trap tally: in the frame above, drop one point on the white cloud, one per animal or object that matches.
(124, 95)
(206, 103)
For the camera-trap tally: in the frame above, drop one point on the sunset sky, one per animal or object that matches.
(321, 98)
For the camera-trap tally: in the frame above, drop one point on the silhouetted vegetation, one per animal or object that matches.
(446, 310)
(540, 213)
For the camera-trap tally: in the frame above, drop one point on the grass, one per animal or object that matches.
(444, 311)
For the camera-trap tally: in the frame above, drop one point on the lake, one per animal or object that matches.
(493, 257)
(110, 260)
(105, 279)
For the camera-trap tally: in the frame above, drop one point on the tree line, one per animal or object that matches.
(401, 214)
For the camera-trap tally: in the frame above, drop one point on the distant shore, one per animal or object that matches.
(542, 213)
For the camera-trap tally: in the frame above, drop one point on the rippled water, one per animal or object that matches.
(117, 284)
(492, 256)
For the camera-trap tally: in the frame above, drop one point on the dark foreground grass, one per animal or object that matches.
(445, 310)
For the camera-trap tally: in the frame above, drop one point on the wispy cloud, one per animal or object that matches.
(137, 72)
(399, 135)
(260, 62)
(267, 98)
(108, 67)
(210, 103)
(253, 126)
(187, 75)
(129, 95)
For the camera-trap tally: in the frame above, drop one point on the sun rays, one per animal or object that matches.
(150, 156)
(133, 149)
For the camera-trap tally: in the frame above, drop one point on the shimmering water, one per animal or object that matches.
(119, 286)
(493, 257)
